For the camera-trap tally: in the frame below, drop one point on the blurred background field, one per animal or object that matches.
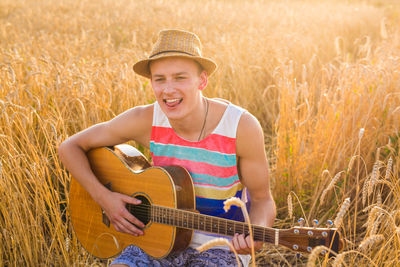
(322, 77)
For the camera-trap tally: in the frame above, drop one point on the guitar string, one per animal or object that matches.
(144, 210)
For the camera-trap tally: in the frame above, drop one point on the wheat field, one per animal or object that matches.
(322, 77)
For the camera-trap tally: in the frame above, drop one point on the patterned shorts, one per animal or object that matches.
(136, 257)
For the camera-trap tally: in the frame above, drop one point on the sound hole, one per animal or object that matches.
(141, 211)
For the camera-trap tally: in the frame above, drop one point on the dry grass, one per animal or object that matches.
(313, 72)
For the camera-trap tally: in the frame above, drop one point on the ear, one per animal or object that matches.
(203, 80)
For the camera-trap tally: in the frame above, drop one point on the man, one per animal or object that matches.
(220, 144)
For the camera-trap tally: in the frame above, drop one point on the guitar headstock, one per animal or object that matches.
(304, 239)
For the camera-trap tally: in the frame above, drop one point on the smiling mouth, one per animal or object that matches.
(172, 102)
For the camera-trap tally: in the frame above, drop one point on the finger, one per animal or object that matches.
(121, 224)
(120, 228)
(131, 222)
(242, 242)
(235, 243)
(131, 200)
(243, 247)
(257, 244)
(132, 219)
(248, 241)
(127, 215)
(129, 228)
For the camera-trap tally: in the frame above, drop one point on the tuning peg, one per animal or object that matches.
(315, 222)
(329, 223)
(301, 222)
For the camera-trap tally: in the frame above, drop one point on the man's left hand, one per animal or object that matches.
(242, 244)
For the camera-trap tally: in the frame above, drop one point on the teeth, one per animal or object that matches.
(171, 100)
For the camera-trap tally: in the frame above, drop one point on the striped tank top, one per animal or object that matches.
(211, 162)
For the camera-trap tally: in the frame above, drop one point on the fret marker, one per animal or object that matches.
(276, 237)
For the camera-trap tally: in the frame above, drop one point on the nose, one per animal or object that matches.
(168, 87)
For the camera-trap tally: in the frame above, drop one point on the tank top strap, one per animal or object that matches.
(159, 118)
(230, 120)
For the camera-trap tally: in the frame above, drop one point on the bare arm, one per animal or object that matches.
(253, 166)
(133, 124)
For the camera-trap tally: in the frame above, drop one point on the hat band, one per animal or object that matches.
(168, 51)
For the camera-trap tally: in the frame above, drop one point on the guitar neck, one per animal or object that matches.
(196, 221)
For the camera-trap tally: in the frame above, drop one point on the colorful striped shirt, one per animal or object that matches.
(211, 162)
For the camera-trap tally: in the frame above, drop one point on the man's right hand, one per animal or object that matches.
(134, 124)
(114, 206)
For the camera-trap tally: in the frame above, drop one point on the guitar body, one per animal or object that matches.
(123, 169)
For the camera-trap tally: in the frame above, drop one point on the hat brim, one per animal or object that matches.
(142, 67)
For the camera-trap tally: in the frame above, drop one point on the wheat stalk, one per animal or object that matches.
(373, 214)
(338, 260)
(375, 225)
(385, 182)
(379, 199)
(67, 243)
(315, 253)
(339, 46)
(339, 217)
(351, 163)
(368, 242)
(365, 191)
(388, 168)
(237, 202)
(290, 205)
(330, 186)
(374, 177)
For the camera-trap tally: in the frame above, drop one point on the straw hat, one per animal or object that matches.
(175, 43)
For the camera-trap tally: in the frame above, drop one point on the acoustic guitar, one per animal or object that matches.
(167, 210)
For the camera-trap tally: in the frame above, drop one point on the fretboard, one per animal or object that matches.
(210, 224)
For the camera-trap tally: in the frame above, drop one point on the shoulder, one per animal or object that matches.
(249, 134)
(142, 111)
(133, 123)
(248, 124)
(136, 114)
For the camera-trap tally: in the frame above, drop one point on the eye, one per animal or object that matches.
(159, 79)
(180, 78)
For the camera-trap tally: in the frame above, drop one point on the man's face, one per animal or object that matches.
(177, 83)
